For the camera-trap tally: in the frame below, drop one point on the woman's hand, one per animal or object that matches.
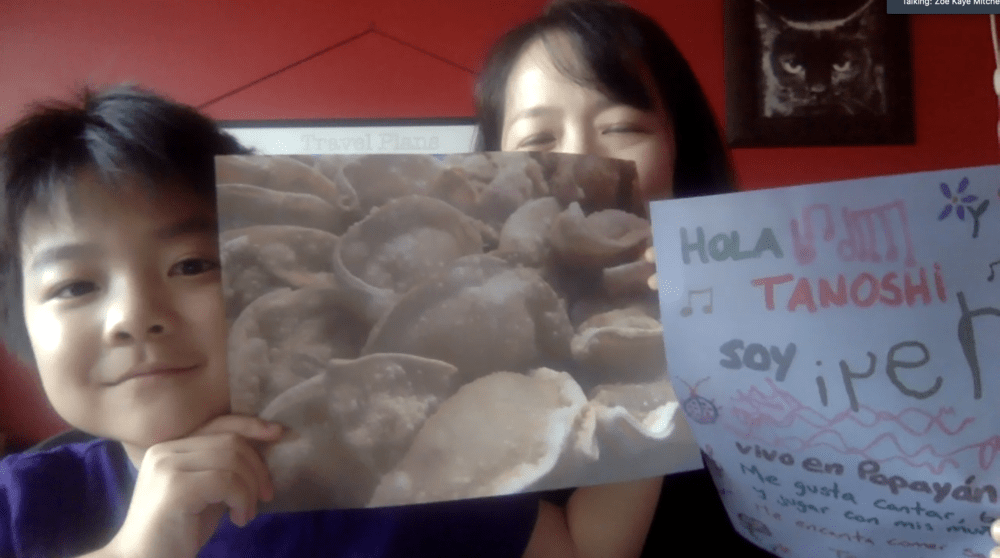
(995, 531)
(184, 486)
(650, 256)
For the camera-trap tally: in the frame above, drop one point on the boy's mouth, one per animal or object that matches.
(151, 370)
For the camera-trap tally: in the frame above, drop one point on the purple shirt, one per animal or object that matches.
(73, 499)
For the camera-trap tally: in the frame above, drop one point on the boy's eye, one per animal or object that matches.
(75, 290)
(193, 266)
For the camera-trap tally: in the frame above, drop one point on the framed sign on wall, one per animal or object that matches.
(355, 136)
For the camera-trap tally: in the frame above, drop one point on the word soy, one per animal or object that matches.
(757, 357)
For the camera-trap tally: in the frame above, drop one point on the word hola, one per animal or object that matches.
(724, 246)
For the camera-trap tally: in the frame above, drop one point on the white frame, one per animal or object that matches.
(355, 136)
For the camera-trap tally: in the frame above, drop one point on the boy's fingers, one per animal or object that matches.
(995, 531)
(249, 427)
(241, 459)
(649, 255)
(231, 490)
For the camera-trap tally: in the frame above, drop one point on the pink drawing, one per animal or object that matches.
(862, 242)
(759, 415)
(805, 243)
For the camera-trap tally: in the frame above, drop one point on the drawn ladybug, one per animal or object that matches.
(698, 408)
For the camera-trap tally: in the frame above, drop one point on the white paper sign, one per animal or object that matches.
(835, 348)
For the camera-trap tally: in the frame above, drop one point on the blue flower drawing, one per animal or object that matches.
(959, 203)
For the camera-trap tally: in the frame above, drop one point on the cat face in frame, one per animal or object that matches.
(820, 67)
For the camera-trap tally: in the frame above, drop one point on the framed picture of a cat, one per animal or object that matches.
(822, 72)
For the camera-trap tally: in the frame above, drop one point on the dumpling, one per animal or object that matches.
(311, 466)
(602, 239)
(400, 245)
(623, 345)
(524, 238)
(498, 435)
(377, 179)
(639, 430)
(285, 337)
(244, 205)
(285, 174)
(482, 315)
(257, 260)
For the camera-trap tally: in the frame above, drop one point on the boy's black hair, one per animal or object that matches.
(122, 134)
(618, 45)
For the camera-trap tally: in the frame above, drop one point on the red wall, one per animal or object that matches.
(200, 51)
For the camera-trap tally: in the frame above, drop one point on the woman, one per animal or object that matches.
(600, 78)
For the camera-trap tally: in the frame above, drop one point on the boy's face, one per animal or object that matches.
(123, 303)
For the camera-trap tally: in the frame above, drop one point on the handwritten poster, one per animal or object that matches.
(835, 349)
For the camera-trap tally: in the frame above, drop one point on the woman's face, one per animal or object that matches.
(547, 111)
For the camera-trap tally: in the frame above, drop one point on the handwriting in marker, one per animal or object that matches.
(707, 309)
(993, 272)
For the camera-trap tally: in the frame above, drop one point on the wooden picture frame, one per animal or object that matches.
(772, 107)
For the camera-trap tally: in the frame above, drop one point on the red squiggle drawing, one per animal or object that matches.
(779, 399)
(757, 413)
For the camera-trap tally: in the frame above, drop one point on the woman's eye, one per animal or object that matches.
(75, 289)
(625, 129)
(193, 266)
(536, 140)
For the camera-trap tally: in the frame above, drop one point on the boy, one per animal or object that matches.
(110, 230)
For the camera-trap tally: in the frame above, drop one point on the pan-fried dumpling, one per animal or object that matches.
(492, 200)
(285, 174)
(257, 260)
(285, 337)
(378, 179)
(380, 401)
(594, 182)
(524, 238)
(497, 435)
(398, 246)
(482, 315)
(602, 239)
(639, 428)
(311, 466)
(244, 205)
(624, 345)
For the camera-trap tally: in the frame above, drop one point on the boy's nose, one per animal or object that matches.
(137, 313)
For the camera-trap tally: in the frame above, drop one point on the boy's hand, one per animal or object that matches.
(184, 487)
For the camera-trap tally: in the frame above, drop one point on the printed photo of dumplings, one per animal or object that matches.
(432, 328)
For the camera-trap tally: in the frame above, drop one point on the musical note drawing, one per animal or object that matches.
(707, 309)
(993, 272)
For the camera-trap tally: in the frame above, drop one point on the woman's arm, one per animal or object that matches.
(610, 520)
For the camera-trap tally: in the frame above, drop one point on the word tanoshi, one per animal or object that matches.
(865, 290)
